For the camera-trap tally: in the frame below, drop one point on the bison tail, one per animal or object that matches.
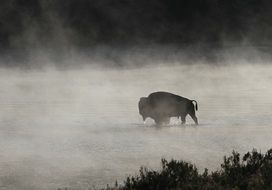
(196, 107)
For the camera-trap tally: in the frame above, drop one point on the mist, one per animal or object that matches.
(80, 127)
(72, 73)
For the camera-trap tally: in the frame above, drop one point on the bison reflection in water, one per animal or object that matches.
(161, 106)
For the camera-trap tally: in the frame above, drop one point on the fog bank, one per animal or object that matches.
(80, 127)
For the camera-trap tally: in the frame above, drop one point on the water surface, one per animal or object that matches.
(81, 128)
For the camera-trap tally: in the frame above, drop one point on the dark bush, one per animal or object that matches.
(251, 171)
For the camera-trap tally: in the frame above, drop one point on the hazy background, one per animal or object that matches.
(72, 73)
(57, 28)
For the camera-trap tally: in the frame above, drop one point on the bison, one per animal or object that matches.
(161, 106)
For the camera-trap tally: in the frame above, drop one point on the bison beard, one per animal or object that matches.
(161, 106)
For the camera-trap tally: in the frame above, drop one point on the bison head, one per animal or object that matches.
(144, 107)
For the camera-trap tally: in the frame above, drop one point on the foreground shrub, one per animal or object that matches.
(251, 171)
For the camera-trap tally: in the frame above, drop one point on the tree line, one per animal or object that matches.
(86, 23)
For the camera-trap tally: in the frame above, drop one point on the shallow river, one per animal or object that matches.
(81, 128)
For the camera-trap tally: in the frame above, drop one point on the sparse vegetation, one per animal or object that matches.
(250, 171)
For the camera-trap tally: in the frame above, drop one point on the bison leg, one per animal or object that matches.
(162, 120)
(192, 114)
(183, 120)
(157, 119)
(166, 120)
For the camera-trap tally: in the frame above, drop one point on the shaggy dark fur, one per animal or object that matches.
(161, 106)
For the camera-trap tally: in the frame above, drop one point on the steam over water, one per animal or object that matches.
(80, 127)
